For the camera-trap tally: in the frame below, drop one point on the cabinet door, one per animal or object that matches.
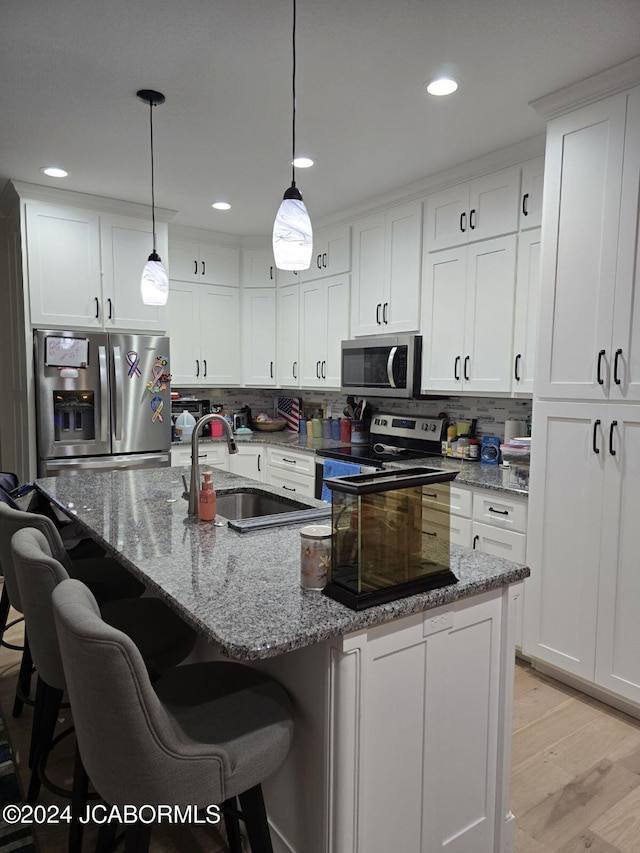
(336, 244)
(313, 313)
(285, 277)
(249, 462)
(563, 536)
(617, 658)
(581, 214)
(336, 328)
(368, 274)
(126, 245)
(493, 204)
(258, 268)
(184, 261)
(63, 262)
(499, 542)
(526, 314)
(625, 341)
(401, 307)
(288, 326)
(488, 336)
(259, 336)
(447, 218)
(220, 265)
(184, 333)
(443, 320)
(220, 335)
(531, 194)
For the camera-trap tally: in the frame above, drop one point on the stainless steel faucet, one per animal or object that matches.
(194, 488)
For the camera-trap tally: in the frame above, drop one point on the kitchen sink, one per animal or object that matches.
(252, 509)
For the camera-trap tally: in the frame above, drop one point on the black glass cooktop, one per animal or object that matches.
(365, 453)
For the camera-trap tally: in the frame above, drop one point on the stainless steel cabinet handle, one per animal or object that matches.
(104, 394)
(117, 370)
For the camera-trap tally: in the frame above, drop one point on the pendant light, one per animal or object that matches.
(292, 234)
(154, 284)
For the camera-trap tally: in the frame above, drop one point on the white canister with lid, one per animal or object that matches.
(185, 423)
(315, 555)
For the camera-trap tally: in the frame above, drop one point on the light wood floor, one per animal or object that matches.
(575, 781)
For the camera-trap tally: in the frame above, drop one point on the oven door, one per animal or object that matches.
(384, 366)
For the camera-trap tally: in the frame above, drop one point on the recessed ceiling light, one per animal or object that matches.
(303, 162)
(54, 171)
(442, 86)
(221, 205)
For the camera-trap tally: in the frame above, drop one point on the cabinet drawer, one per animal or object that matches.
(441, 524)
(303, 463)
(291, 482)
(499, 542)
(500, 510)
(209, 454)
(436, 496)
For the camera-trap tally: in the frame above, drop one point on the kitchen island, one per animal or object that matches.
(403, 711)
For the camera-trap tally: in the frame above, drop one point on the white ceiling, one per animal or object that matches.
(69, 71)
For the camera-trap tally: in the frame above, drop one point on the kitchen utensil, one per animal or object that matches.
(388, 448)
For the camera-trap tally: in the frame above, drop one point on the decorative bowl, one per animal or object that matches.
(270, 426)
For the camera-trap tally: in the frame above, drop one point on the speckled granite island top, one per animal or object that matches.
(241, 591)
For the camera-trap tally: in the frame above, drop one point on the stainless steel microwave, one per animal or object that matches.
(382, 366)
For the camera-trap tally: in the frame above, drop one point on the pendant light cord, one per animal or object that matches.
(293, 124)
(153, 195)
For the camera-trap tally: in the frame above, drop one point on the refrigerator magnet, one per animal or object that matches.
(157, 405)
(133, 360)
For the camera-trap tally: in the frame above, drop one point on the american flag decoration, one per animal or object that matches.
(288, 408)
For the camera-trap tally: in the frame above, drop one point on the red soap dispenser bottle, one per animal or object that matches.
(207, 505)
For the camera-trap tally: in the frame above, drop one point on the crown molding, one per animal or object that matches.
(609, 82)
(92, 202)
(203, 235)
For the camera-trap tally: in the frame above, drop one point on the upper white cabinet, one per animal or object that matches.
(589, 340)
(205, 263)
(526, 313)
(478, 209)
(467, 317)
(331, 253)
(259, 337)
(386, 271)
(324, 323)
(204, 327)
(288, 324)
(84, 268)
(285, 277)
(531, 194)
(258, 268)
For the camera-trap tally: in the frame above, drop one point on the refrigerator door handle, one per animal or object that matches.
(117, 372)
(104, 392)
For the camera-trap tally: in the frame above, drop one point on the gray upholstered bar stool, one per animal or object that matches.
(202, 734)
(163, 639)
(105, 576)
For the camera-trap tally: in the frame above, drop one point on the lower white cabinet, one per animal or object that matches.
(292, 472)
(249, 461)
(259, 337)
(210, 455)
(581, 609)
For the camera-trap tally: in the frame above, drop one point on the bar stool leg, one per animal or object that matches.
(255, 818)
(229, 811)
(136, 839)
(23, 687)
(78, 804)
(51, 701)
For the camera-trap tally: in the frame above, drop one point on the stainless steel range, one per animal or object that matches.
(394, 437)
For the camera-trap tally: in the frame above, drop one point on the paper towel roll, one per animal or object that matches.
(514, 429)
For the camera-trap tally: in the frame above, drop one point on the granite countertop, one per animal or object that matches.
(471, 473)
(240, 591)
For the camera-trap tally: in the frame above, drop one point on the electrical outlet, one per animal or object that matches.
(440, 622)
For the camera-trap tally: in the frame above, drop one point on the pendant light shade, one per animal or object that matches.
(292, 232)
(154, 284)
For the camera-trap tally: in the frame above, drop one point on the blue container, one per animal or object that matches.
(490, 449)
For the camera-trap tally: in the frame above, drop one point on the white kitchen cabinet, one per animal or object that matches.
(386, 271)
(259, 337)
(210, 455)
(581, 612)
(447, 507)
(476, 210)
(525, 325)
(531, 194)
(84, 268)
(285, 277)
(294, 473)
(324, 323)
(331, 253)
(204, 328)
(249, 461)
(258, 268)
(467, 317)
(589, 341)
(288, 337)
(204, 263)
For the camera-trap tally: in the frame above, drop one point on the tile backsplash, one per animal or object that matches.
(490, 413)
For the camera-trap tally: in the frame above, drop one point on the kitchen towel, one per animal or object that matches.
(336, 468)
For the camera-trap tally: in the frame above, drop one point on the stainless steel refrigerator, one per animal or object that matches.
(102, 401)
